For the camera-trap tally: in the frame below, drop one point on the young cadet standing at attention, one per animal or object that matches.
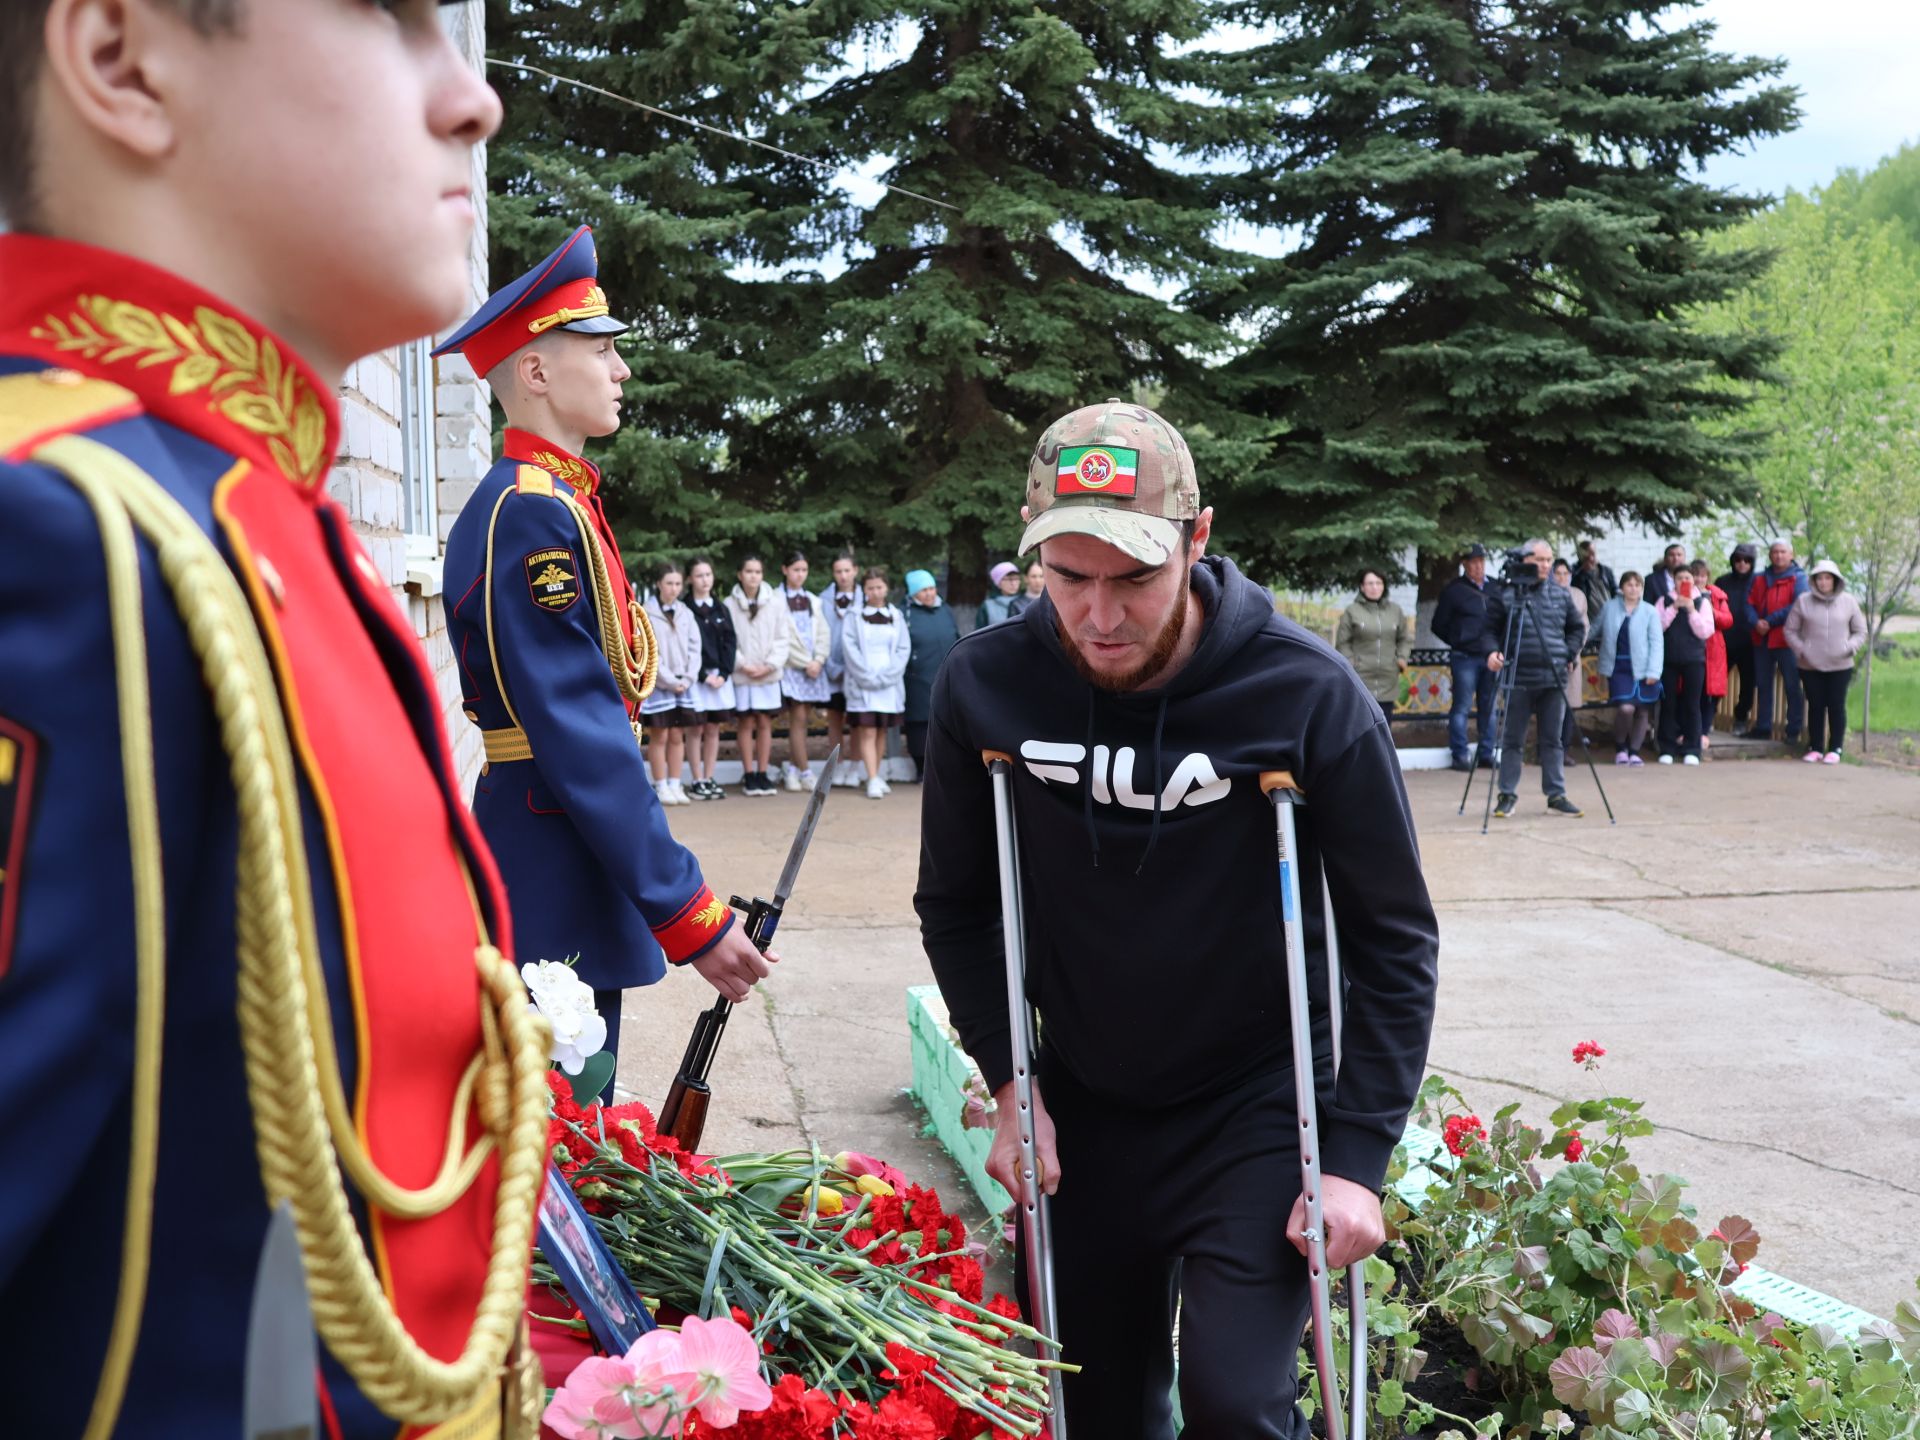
(557, 658)
(224, 787)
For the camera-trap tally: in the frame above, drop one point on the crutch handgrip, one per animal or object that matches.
(1272, 780)
(987, 757)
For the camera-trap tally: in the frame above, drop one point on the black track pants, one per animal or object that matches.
(1188, 1206)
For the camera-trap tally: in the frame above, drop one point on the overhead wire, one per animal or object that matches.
(828, 166)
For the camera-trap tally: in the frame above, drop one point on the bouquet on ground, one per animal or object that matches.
(861, 1296)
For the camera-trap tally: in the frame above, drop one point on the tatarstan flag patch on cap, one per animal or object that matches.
(1097, 470)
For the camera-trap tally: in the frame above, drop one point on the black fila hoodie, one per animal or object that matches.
(1148, 859)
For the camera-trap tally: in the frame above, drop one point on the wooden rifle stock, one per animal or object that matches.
(684, 1113)
(687, 1102)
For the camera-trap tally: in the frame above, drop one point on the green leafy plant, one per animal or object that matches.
(1584, 1300)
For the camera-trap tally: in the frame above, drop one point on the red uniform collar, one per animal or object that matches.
(192, 359)
(524, 445)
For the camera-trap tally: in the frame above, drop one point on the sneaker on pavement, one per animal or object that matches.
(808, 780)
(1622, 758)
(1635, 760)
(1666, 759)
(1505, 806)
(1833, 757)
(1463, 766)
(662, 792)
(876, 788)
(1813, 757)
(1561, 805)
(790, 777)
(1755, 734)
(1689, 759)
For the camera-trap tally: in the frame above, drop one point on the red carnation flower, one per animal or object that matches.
(1576, 1147)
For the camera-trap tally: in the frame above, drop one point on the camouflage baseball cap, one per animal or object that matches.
(1117, 472)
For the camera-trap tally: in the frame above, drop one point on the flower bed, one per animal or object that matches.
(1573, 1294)
(1516, 1249)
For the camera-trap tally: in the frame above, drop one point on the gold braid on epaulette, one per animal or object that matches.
(636, 667)
(285, 1035)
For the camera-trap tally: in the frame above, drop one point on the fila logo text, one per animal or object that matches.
(1194, 781)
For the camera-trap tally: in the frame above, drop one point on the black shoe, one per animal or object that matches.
(1560, 805)
(1505, 808)
(1756, 735)
(1465, 767)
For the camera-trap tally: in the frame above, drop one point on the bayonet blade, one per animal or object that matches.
(283, 1357)
(803, 837)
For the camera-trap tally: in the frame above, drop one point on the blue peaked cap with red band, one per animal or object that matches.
(562, 292)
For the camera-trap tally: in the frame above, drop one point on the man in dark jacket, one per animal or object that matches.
(1737, 583)
(1142, 697)
(1548, 635)
(1594, 580)
(1771, 595)
(1660, 579)
(932, 628)
(1460, 619)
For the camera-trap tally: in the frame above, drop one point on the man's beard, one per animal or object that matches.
(1164, 644)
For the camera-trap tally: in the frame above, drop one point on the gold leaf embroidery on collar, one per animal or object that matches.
(574, 472)
(245, 377)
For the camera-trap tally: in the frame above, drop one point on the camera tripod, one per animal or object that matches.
(1518, 612)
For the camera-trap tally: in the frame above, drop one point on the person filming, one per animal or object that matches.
(1540, 622)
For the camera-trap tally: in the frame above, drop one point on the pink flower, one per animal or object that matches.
(605, 1399)
(1588, 1053)
(718, 1370)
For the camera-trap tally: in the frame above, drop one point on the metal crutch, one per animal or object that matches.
(1031, 1199)
(1279, 785)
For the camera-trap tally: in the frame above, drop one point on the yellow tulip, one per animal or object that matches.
(872, 1185)
(825, 1200)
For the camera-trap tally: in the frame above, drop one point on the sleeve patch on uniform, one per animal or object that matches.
(20, 756)
(553, 578)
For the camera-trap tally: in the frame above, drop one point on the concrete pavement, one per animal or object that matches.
(1745, 943)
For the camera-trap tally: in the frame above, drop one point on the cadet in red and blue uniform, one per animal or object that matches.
(555, 659)
(248, 930)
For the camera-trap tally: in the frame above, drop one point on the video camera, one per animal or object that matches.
(1516, 567)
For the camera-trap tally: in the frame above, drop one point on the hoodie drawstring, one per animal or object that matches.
(1153, 835)
(1086, 797)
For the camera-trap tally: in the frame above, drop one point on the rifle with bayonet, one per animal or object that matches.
(684, 1115)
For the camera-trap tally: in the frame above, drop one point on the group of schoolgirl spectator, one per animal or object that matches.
(778, 648)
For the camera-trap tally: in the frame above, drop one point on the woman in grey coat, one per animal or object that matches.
(1373, 637)
(1825, 630)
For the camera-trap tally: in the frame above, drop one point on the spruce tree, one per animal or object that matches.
(686, 224)
(1482, 327)
(953, 336)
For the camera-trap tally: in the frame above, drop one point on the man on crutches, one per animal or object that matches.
(1127, 720)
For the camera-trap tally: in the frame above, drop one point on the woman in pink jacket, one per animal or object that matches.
(1685, 680)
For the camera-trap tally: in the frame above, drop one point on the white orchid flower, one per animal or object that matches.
(566, 1001)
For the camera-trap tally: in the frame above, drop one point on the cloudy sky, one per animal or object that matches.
(1856, 63)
